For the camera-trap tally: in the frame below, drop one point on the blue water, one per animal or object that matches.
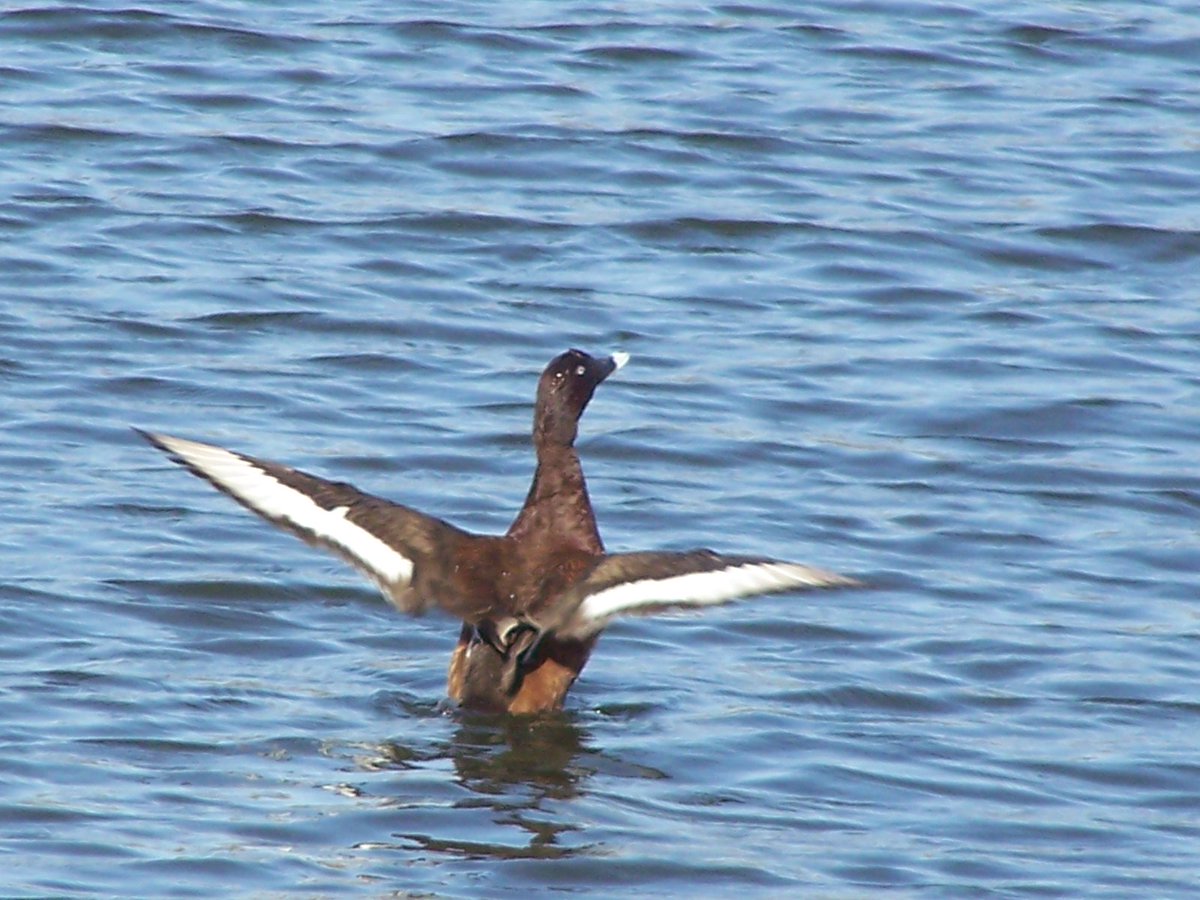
(911, 293)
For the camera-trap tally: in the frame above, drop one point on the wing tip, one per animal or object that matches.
(151, 437)
(192, 454)
(824, 578)
(164, 442)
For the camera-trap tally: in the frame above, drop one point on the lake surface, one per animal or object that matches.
(911, 292)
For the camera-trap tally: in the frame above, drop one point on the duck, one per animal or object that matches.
(533, 601)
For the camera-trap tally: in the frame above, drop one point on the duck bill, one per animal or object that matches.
(610, 365)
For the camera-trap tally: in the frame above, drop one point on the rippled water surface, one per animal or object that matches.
(911, 293)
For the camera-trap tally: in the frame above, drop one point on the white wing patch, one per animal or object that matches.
(269, 497)
(697, 589)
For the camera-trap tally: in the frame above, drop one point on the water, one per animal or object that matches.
(910, 291)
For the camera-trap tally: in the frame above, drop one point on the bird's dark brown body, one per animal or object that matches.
(532, 601)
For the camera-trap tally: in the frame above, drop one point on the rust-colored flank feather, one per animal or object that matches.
(532, 601)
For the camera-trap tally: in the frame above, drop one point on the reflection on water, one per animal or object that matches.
(545, 754)
(895, 307)
(516, 767)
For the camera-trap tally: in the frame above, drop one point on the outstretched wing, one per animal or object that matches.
(643, 583)
(417, 560)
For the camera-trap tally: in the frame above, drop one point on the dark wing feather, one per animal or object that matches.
(643, 583)
(414, 558)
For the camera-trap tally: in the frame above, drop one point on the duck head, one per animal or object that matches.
(566, 386)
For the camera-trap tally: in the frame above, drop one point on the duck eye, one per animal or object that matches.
(579, 370)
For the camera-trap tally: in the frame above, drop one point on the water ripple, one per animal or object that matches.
(907, 292)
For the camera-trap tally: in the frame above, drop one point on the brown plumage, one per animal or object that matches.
(532, 601)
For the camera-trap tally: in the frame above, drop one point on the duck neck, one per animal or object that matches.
(558, 502)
